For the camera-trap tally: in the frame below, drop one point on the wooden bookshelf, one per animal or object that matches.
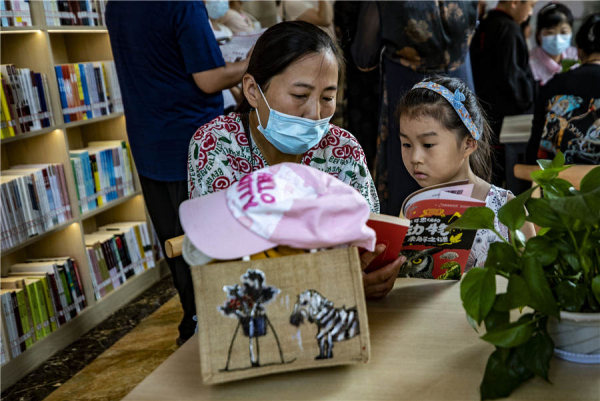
(40, 48)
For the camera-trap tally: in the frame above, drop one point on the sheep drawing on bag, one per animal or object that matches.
(333, 324)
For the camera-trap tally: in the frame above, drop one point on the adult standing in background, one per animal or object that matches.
(503, 78)
(567, 112)
(171, 74)
(419, 39)
(319, 13)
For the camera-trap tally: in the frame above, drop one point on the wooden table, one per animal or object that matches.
(422, 349)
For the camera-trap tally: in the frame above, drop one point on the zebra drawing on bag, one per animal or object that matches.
(333, 324)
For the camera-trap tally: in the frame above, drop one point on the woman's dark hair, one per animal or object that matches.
(588, 36)
(422, 102)
(283, 44)
(551, 15)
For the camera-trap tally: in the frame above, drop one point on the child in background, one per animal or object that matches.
(553, 34)
(445, 137)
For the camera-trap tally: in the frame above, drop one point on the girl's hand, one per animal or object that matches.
(378, 283)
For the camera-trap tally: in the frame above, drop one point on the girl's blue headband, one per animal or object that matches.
(455, 100)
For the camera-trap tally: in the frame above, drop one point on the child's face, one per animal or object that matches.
(431, 153)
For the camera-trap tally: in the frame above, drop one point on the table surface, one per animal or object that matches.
(516, 129)
(422, 348)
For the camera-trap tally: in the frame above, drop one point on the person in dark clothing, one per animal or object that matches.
(567, 113)
(500, 60)
(361, 114)
(418, 39)
(171, 73)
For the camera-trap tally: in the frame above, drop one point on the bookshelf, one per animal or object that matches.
(40, 48)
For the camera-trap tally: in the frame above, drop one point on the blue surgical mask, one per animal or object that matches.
(556, 44)
(216, 8)
(290, 134)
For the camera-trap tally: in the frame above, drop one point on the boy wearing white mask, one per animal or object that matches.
(553, 35)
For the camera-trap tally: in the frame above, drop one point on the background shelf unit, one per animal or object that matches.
(40, 48)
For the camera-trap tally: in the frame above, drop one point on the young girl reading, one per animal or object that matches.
(445, 137)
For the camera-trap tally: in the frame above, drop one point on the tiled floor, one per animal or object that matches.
(119, 369)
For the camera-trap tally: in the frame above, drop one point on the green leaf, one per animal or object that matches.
(226, 162)
(501, 256)
(496, 319)
(543, 231)
(559, 159)
(362, 171)
(516, 296)
(472, 323)
(572, 261)
(196, 149)
(318, 160)
(512, 214)
(536, 353)
(541, 177)
(570, 295)
(545, 164)
(596, 287)
(475, 218)
(502, 377)
(512, 334)
(541, 298)
(557, 188)
(350, 174)
(540, 248)
(575, 207)
(477, 292)
(541, 213)
(225, 139)
(591, 181)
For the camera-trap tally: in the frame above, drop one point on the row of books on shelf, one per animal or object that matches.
(88, 90)
(38, 296)
(78, 12)
(26, 104)
(15, 13)
(117, 252)
(103, 172)
(34, 199)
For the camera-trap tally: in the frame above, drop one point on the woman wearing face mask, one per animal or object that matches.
(290, 90)
(216, 9)
(554, 53)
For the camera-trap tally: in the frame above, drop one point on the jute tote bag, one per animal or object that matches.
(275, 315)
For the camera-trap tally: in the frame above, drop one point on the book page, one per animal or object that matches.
(239, 46)
(433, 192)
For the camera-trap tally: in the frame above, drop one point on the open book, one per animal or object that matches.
(421, 236)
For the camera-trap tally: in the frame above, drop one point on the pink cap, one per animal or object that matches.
(286, 204)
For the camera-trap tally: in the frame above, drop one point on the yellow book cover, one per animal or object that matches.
(8, 130)
(41, 299)
(80, 88)
(25, 318)
(138, 236)
(49, 302)
(36, 313)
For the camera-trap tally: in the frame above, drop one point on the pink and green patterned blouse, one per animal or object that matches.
(220, 155)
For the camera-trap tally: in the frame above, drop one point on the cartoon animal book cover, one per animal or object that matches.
(421, 236)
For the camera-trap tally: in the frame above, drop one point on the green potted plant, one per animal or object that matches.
(549, 276)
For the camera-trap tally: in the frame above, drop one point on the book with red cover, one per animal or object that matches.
(431, 251)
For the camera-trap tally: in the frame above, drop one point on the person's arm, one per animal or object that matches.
(379, 283)
(217, 79)
(367, 43)
(321, 16)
